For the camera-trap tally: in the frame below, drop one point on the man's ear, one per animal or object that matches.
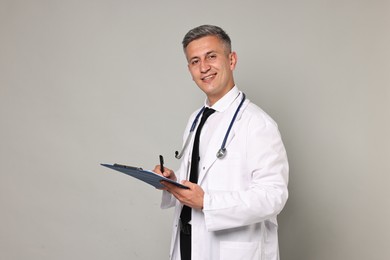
(233, 60)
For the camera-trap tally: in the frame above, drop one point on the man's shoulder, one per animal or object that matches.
(256, 114)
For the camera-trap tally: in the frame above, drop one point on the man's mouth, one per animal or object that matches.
(208, 77)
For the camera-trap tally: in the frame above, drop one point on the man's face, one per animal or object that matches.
(211, 66)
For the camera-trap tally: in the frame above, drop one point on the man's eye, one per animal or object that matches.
(211, 57)
(194, 62)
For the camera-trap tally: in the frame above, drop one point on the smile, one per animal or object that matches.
(209, 77)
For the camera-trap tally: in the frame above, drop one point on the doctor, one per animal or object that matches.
(233, 200)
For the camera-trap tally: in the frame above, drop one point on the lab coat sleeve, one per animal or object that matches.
(167, 200)
(264, 197)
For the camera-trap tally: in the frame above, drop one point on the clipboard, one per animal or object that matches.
(146, 176)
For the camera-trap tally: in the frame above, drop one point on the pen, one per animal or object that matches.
(161, 164)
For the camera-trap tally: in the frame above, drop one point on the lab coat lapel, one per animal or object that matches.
(214, 145)
(217, 139)
(187, 157)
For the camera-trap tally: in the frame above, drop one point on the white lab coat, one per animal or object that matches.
(244, 191)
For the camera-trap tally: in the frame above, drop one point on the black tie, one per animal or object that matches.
(185, 215)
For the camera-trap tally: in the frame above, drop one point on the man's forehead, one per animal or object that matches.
(203, 46)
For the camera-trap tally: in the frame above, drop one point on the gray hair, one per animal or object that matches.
(207, 30)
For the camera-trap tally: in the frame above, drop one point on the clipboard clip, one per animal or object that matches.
(128, 167)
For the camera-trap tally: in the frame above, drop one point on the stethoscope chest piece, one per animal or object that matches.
(221, 153)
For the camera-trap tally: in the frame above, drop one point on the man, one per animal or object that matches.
(233, 200)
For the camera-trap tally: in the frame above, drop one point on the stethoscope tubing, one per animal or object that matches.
(179, 155)
(222, 151)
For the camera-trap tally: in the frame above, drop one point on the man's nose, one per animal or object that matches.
(204, 67)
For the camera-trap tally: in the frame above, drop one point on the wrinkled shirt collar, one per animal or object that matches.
(222, 104)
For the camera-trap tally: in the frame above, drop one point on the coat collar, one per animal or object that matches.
(224, 103)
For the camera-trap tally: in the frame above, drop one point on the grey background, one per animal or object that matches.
(89, 82)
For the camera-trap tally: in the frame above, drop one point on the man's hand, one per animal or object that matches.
(192, 197)
(168, 173)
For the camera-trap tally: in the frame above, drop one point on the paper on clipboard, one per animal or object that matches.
(143, 175)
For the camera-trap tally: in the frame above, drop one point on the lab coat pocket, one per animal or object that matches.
(240, 250)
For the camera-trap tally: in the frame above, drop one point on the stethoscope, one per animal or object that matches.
(222, 151)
